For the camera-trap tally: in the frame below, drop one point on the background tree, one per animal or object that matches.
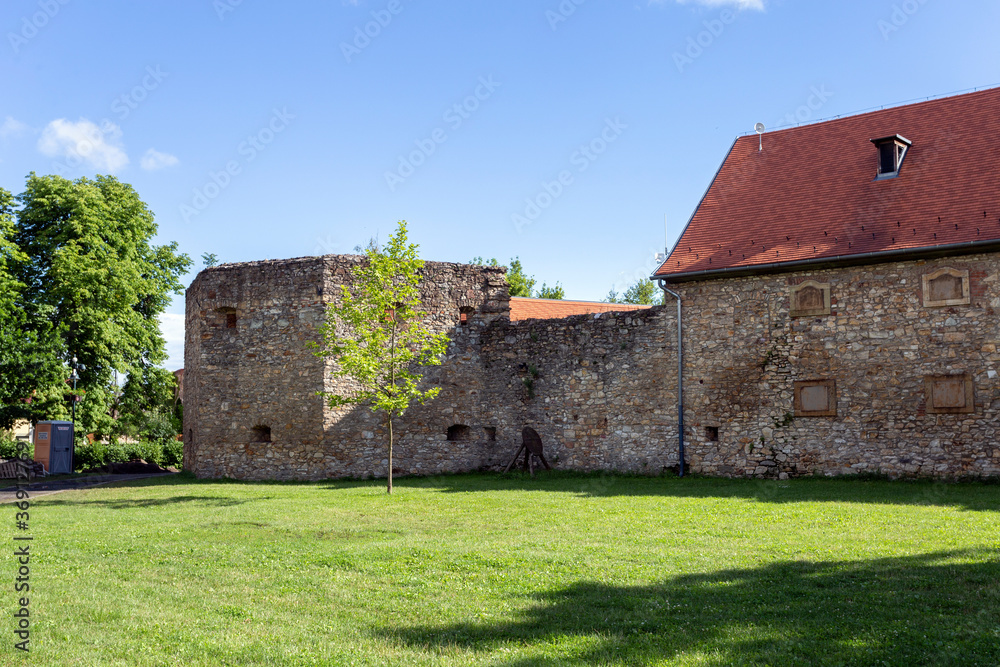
(89, 272)
(209, 259)
(377, 335)
(556, 292)
(518, 282)
(146, 407)
(642, 292)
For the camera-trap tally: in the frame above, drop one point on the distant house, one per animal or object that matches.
(179, 391)
(841, 283)
(22, 431)
(523, 308)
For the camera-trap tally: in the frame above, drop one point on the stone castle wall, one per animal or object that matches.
(249, 367)
(602, 390)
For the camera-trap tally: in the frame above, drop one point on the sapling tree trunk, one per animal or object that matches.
(389, 417)
(384, 337)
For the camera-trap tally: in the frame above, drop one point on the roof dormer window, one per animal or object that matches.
(891, 151)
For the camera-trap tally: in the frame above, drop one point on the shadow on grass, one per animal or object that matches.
(134, 503)
(932, 609)
(974, 496)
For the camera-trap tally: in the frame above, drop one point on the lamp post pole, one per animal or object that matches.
(74, 377)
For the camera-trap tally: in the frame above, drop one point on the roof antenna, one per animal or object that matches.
(662, 257)
(666, 234)
(759, 129)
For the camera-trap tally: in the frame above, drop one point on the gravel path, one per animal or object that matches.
(43, 488)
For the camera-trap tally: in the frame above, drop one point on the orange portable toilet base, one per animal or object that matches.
(54, 446)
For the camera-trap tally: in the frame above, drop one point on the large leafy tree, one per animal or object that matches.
(27, 362)
(377, 334)
(89, 272)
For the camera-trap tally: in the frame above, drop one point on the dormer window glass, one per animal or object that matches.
(891, 151)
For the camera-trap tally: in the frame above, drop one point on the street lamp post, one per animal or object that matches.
(74, 377)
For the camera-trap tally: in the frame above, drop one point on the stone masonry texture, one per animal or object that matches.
(601, 390)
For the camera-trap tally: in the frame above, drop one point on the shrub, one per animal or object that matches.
(157, 425)
(88, 456)
(164, 453)
(9, 447)
(173, 453)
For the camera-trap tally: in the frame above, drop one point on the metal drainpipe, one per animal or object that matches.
(680, 379)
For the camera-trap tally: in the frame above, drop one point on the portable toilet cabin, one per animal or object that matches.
(54, 446)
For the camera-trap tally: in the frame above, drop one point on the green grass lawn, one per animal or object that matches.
(485, 570)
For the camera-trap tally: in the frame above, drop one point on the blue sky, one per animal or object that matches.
(564, 133)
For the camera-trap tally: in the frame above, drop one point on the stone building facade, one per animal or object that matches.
(880, 378)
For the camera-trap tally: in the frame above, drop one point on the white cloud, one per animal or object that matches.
(11, 128)
(83, 142)
(739, 4)
(154, 159)
(172, 328)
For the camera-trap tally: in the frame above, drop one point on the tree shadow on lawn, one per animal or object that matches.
(972, 496)
(182, 479)
(134, 503)
(917, 610)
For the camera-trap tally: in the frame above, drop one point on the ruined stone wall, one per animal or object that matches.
(250, 372)
(599, 389)
(355, 438)
(602, 390)
(247, 365)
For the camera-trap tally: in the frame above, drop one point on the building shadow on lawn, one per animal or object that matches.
(919, 610)
(972, 496)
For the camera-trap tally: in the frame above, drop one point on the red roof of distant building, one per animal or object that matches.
(522, 308)
(812, 193)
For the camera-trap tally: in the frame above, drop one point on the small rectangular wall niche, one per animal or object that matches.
(950, 394)
(261, 433)
(810, 299)
(712, 433)
(816, 398)
(459, 433)
(946, 287)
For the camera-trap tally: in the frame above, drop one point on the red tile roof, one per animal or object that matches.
(522, 308)
(812, 194)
